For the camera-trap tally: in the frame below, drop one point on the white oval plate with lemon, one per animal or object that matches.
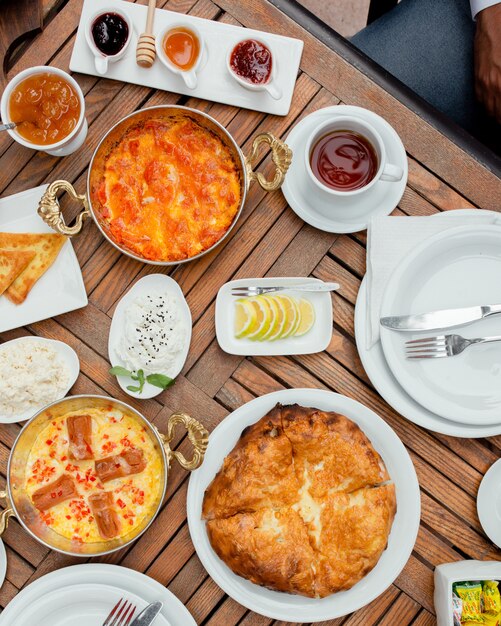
(285, 322)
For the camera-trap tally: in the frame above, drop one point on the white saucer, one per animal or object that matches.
(3, 563)
(351, 214)
(65, 353)
(489, 503)
(458, 267)
(149, 284)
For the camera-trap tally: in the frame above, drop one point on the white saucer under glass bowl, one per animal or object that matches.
(295, 608)
(489, 503)
(459, 267)
(335, 214)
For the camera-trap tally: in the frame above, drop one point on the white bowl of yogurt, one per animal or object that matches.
(150, 331)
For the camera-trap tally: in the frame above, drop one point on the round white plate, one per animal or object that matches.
(316, 339)
(79, 605)
(455, 268)
(285, 606)
(489, 503)
(388, 387)
(127, 581)
(336, 215)
(144, 286)
(65, 352)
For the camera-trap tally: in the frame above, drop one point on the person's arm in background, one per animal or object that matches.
(488, 54)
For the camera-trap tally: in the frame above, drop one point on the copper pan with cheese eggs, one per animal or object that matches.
(166, 184)
(108, 477)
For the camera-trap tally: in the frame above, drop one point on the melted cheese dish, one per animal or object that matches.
(168, 190)
(84, 478)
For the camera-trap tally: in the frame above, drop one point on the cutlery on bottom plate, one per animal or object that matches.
(437, 320)
(442, 346)
(121, 614)
(148, 615)
(252, 290)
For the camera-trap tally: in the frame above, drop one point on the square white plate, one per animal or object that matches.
(214, 80)
(316, 340)
(61, 288)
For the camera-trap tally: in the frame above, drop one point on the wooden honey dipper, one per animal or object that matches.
(146, 51)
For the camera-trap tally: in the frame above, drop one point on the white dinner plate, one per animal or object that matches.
(315, 340)
(459, 267)
(294, 608)
(340, 215)
(66, 354)
(388, 387)
(489, 503)
(80, 605)
(153, 283)
(61, 288)
(127, 581)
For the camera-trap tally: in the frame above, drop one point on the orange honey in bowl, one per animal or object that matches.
(46, 108)
(182, 47)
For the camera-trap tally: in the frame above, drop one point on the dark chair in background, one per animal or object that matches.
(377, 8)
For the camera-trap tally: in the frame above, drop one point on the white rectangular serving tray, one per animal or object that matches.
(214, 80)
(61, 288)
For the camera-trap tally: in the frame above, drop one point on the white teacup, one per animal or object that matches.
(385, 171)
(270, 86)
(189, 76)
(102, 60)
(71, 142)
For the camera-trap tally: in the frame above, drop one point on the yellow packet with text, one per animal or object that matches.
(491, 598)
(471, 595)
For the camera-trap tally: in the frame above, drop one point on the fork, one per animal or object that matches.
(121, 614)
(442, 346)
(252, 290)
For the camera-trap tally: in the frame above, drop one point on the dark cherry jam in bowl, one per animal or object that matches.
(110, 33)
(344, 160)
(252, 62)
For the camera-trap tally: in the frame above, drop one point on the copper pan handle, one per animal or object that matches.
(7, 513)
(50, 211)
(197, 434)
(281, 155)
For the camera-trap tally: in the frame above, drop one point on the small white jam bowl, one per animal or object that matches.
(386, 171)
(189, 76)
(71, 142)
(102, 60)
(270, 86)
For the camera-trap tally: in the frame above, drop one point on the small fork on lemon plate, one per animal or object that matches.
(442, 346)
(121, 614)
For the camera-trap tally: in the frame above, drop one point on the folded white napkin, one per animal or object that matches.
(389, 240)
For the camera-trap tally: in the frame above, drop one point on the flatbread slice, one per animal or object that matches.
(12, 263)
(46, 247)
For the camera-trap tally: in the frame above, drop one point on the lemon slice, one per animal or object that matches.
(291, 315)
(277, 318)
(306, 317)
(263, 317)
(279, 324)
(246, 318)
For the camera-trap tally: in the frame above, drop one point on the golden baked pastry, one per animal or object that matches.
(302, 504)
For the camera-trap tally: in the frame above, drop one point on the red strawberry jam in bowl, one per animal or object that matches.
(252, 64)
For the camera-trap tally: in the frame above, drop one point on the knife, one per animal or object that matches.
(148, 615)
(436, 320)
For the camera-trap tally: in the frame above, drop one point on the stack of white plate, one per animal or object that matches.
(83, 595)
(461, 395)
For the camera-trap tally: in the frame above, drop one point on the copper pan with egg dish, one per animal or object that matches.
(166, 184)
(87, 475)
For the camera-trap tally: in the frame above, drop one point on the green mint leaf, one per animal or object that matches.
(160, 380)
(132, 388)
(119, 371)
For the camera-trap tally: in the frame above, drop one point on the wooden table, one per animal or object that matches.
(269, 240)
